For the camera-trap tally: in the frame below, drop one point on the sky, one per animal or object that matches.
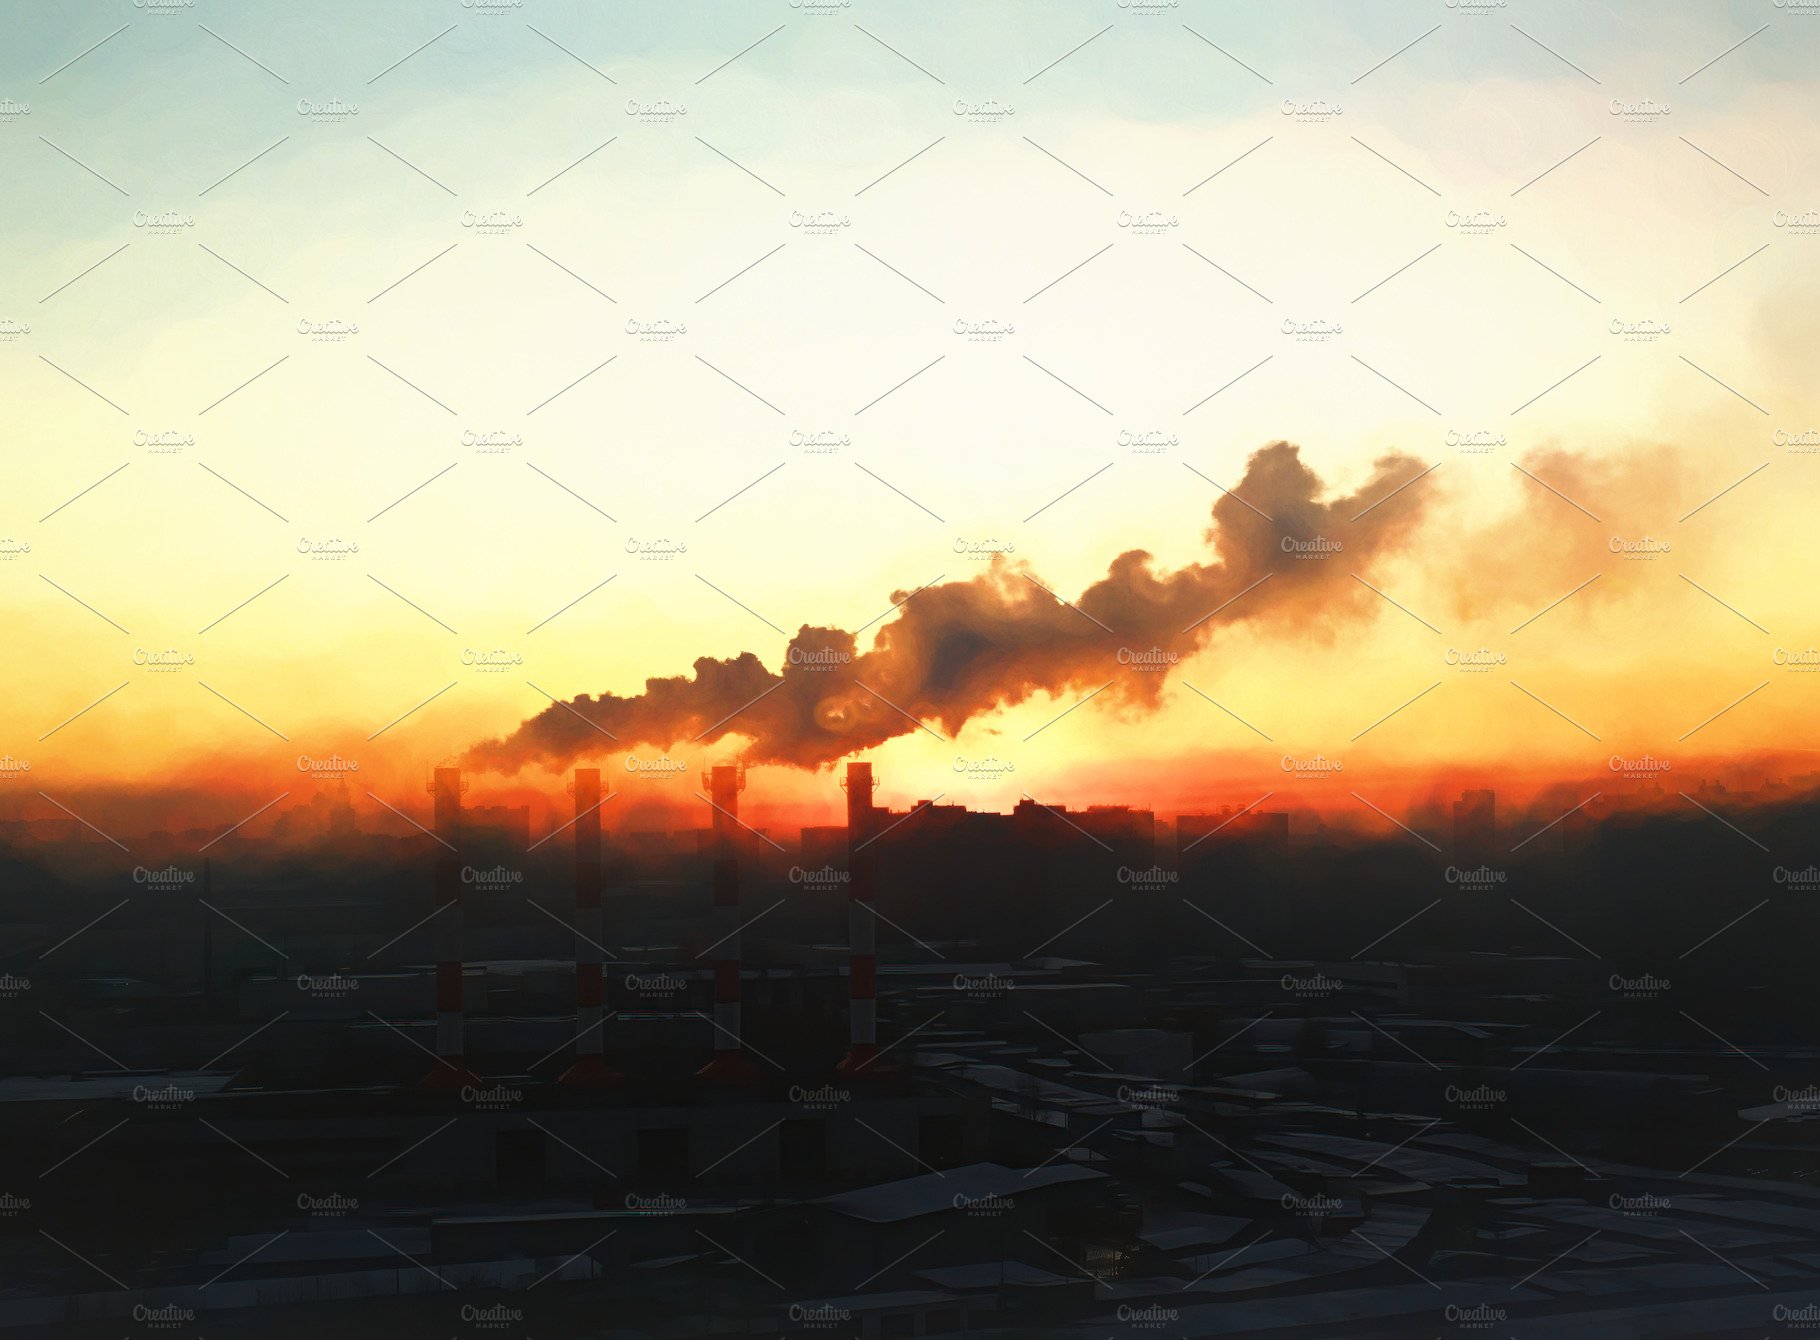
(371, 380)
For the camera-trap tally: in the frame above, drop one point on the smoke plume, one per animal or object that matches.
(955, 651)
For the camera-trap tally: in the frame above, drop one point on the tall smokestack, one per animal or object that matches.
(862, 924)
(590, 1067)
(728, 1065)
(451, 1071)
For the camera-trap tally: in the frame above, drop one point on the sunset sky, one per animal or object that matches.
(325, 478)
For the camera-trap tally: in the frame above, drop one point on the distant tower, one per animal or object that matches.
(451, 1070)
(590, 1067)
(729, 1066)
(1475, 829)
(862, 924)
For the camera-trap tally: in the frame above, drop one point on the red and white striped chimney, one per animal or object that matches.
(451, 1070)
(729, 1066)
(590, 1067)
(862, 925)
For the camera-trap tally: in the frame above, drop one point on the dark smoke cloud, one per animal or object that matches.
(964, 648)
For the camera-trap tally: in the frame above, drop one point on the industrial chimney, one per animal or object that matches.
(451, 1071)
(589, 1070)
(862, 925)
(729, 1066)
